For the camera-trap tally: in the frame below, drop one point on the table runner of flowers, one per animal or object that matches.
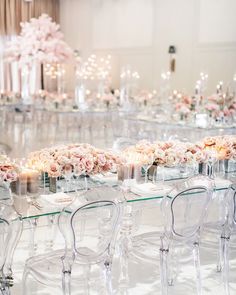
(87, 159)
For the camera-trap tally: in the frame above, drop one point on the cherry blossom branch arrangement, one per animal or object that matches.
(40, 40)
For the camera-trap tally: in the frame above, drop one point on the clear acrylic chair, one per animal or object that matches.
(90, 234)
(10, 232)
(184, 210)
(226, 230)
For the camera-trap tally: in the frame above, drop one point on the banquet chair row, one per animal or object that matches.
(186, 218)
(90, 234)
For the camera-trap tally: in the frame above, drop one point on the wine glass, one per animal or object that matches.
(158, 176)
(147, 163)
(67, 173)
(212, 157)
(77, 173)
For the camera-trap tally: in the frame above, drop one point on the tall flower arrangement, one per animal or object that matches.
(40, 40)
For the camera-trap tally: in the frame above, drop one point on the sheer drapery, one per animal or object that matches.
(12, 12)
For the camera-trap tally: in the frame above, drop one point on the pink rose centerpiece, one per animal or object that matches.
(223, 146)
(182, 154)
(78, 158)
(169, 153)
(9, 171)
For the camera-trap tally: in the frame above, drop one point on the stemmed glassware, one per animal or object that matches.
(147, 163)
(212, 157)
(158, 175)
(76, 174)
(67, 174)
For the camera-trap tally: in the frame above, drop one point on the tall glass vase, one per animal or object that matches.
(101, 87)
(60, 79)
(80, 86)
(80, 94)
(25, 85)
(125, 85)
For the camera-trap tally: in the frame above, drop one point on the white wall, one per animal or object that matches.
(139, 32)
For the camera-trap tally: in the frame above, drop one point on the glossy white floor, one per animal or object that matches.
(144, 277)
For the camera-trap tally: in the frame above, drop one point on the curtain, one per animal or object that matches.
(12, 12)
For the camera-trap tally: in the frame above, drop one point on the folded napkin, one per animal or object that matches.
(109, 178)
(150, 190)
(57, 199)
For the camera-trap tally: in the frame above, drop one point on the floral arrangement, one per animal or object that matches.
(144, 97)
(221, 105)
(79, 158)
(175, 153)
(108, 99)
(183, 104)
(9, 171)
(217, 105)
(224, 146)
(170, 153)
(40, 40)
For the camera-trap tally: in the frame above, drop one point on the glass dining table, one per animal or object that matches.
(51, 204)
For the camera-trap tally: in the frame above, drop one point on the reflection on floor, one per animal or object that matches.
(144, 275)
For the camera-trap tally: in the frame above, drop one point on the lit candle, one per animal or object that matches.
(28, 181)
(32, 181)
(20, 187)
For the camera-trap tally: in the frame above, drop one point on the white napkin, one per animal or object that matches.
(150, 190)
(109, 178)
(57, 199)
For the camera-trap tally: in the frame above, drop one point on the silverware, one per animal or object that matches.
(36, 205)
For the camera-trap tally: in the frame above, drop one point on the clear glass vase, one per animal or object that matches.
(80, 94)
(25, 85)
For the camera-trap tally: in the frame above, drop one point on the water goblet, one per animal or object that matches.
(212, 157)
(67, 173)
(147, 163)
(158, 176)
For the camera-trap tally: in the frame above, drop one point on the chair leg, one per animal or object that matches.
(4, 288)
(196, 257)
(108, 278)
(24, 282)
(164, 270)
(225, 273)
(87, 278)
(220, 255)
(66, 282)
(172, 265)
